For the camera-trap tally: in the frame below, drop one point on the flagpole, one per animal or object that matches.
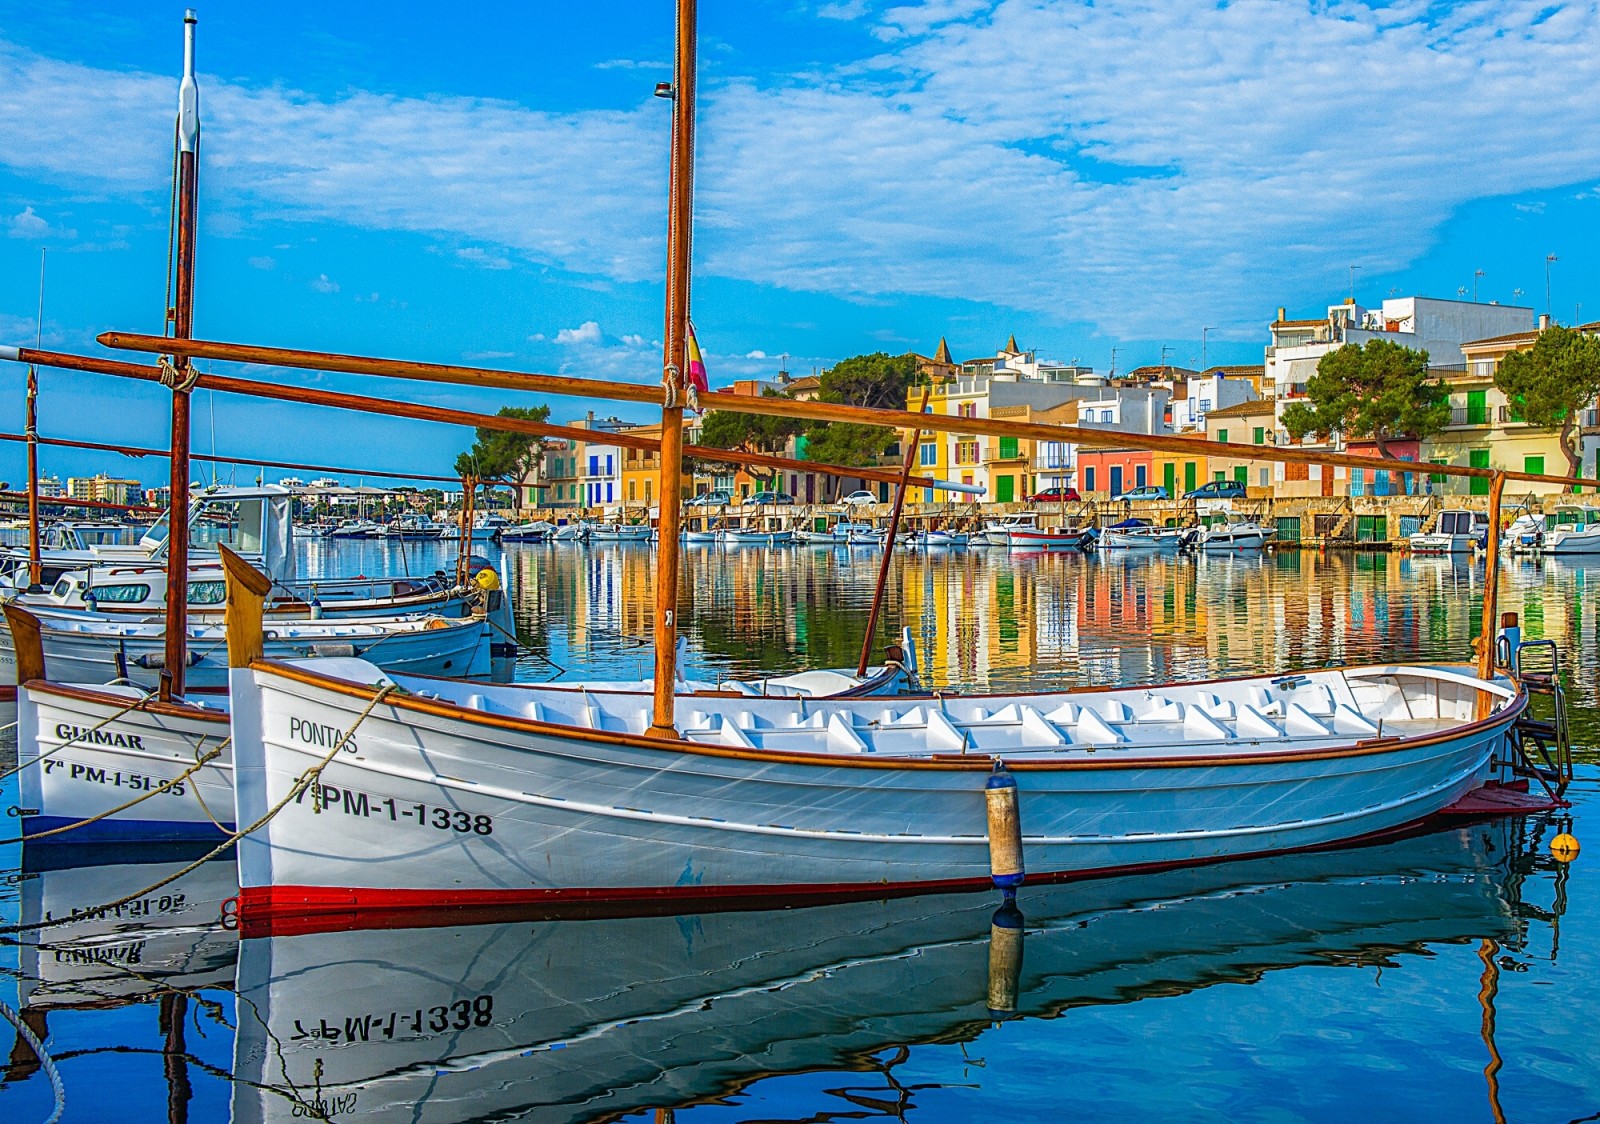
(680, 218)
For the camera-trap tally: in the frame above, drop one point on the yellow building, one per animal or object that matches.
(641, 472)
(1247, 424)
(1180, 472)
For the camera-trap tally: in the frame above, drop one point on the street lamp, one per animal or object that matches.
(1353, 269)
(1476, 273)
(1203, 333)
(1548, 258)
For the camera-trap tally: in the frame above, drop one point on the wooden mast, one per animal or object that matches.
(680, 222)
(31, 430)
(1491, 585)
(181, 321)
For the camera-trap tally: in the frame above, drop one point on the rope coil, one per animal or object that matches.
(173, 379)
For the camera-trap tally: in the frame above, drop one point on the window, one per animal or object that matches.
(1534, 465)
(633, 491)
(1004, 489)
(1205, 405)
(1477, 407)
(1438, 477)
(610, 465)
(1008, 448)
(1140, 476)
(594, 465)
(966, 452)
(1107, 415)
(120, 594)
(1088, 479)
(928, 453)
(1259, 435)
(1477, 485)
(1222, 435)
(610, 496)
(969, 410)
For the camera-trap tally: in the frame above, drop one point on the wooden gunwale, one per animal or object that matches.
(979, 760)
(149, 706)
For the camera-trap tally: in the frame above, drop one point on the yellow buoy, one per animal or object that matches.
(487, 579)
(1564, 848)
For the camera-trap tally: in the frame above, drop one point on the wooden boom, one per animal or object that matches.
(816, 411)
(310, 396)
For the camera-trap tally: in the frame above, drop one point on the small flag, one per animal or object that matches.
(697, 367)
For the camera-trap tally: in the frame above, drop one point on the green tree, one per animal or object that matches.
(505, 456)
(878, 380)
(751, 433)
(1381, 391)
(1551, 383)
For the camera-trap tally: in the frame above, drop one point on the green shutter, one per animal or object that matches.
(1241, 473)
(1222, 435)
(1259, 435)
(1189, 471)
(1478, 458)
(1169, 475)
(1008, 448)
(1534, 465)
(1003, 487)
(1477, 407)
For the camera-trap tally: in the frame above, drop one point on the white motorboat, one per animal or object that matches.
(575, 531)
(411, 527)
(1572, 529)
(489, 526)
(528, 532)
(354, 529)
(501, 796)
(1231, 538)
(1453, 533)
(937, 539)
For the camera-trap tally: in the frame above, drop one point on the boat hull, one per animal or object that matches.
(441, 809)
(1046, 540)
(111, 755)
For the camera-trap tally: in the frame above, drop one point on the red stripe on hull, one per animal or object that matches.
(278, 911)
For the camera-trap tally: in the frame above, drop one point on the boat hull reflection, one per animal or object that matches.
(582, 1019)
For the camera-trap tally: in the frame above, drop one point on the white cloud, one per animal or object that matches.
(476, 255)
(633, 341)
(537, 337)
(586, 333)
(757, 354)
(1098, 162)
(843, 10)
(262, 261)
(324, 284)
(28, 223)
(476, 356)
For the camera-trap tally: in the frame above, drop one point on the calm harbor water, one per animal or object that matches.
(1452, 976)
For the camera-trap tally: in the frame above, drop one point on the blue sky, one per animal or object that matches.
(486, 185)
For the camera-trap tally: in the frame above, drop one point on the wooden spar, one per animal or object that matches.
(247, 462)
(913, 438)
(469, 494)
(337, 400)
(102, 505)
(388, 368)
(813, 410)
(25, 643)
(1491, 585)
(675, 364)
(181, 316)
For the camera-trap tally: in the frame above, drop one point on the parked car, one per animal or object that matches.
(771, 498)
(1218, 490)
(1148, 492)
(711, 499)
(862, 497)
(1055, 495)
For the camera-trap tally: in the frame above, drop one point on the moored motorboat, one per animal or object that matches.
(1229, 538)
(1049, 538)
(527, 532)
(1572, 529)
(1453, 533)
(1140, 534)
(619, 532)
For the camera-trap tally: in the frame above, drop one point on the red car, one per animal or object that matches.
(1056, 495)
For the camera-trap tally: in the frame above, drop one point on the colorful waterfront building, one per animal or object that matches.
(1179, 472)
(1248, 424)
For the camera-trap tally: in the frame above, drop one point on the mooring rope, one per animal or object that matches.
(301, 783)
(45, 1061)
(79, 736)
(164, 786)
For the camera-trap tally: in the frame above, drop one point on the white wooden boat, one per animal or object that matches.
(620, 532)
(488, 526)
(576, 531)
(544, 1020)
(481, 795)
(1049, 538)
(1572, 529)
(997, 532)
(939, 539)
(1526, 534)
(1232, 538)
(82, 647)
(100, 749)
(864, 534)
(771, 535)
(1452, 534)
(1139, 534)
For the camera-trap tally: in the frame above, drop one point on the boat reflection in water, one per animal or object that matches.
(569, 1020)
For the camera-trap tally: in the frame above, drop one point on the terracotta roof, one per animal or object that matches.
(1259, 407)
(1238, 369)
(1299, 323)
(1513, 337)
(809, 382)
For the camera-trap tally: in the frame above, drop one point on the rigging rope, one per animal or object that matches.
(45, 1061)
